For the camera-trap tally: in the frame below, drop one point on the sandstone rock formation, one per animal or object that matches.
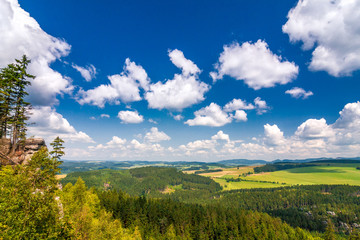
(24, 152)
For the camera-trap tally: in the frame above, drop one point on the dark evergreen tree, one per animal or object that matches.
(7, 82)
(58, 148)
(21, 107)
(14, 110)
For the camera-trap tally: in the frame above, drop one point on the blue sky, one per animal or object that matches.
(190, 80)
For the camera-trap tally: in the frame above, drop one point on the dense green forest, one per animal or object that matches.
(150, 181)
(308, 207)
(161, 218)
(81, 166)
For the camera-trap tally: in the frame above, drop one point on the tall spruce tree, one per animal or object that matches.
(7, 86)
(21, 108)
(58, 148)
(14, 110)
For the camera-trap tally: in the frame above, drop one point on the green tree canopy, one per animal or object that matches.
(58, 148)
(14, 110)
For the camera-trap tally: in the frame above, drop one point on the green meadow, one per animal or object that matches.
(323, 174)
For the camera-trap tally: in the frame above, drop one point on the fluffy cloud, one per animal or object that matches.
(21, 34)
(297, 92)
(121, 148)
(88, 72)
(314, 128)
(155, 136)
(240, 115)
(215, 116)
(221, 136)
(187, 66)
(49, 124)
(237, 104)
(182, 91)
(349, 116)
(273, 135)
(211, 115)
(347, 126)
(333, 28)
(202, 147)
(255, 64)
(116, 141)
(130, 117)
(219, 145)
(123, 87)
(261, 106)
(178, 117)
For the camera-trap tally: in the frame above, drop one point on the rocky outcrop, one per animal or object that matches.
(24, 152)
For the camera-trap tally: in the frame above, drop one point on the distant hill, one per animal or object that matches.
(153, 181)
(81, 166)
(236, 162)
(315, 159)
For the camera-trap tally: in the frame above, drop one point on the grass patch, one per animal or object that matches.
(322, 174)
(343, 174)
(60, 176)
(245, 185)
(229, 172)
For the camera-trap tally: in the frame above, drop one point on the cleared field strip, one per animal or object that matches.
(333, 174)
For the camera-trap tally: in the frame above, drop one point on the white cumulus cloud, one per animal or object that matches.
(187, 66)
(261, 106)
(178, 117)
(182, 91)
(116, 141)
(333, 28)
(49, 124)
(349, 116)
(130, 117)
(211, 115)
(237, 104)
(215, 116)
(273, 135)
(297, 92)
(220, 135)
(255, 64)
(240, 115)
(156, 136)
(123, 87)
(314, 128)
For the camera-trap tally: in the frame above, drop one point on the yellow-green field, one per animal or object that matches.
(333, 174)
(229, 172)
(60, 176)
(245, 185)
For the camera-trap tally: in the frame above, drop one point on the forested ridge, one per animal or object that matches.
(308, 207)
(150, 181)
(161, 218)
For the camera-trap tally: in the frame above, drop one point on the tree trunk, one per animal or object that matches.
(14, 144)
